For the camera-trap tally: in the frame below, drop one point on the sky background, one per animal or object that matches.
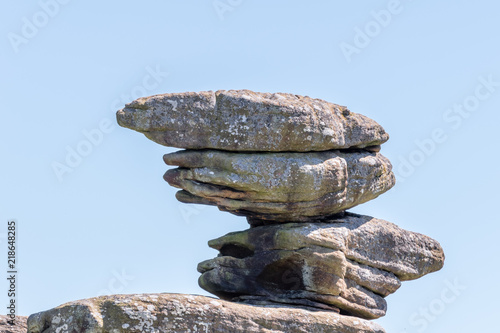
(105, 221)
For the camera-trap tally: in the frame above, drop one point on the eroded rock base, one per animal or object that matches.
(188, 313)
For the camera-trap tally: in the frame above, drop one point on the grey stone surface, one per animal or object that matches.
(292, 165)
(243, 120)
(350, 264)
(279, 186)
(176, 313)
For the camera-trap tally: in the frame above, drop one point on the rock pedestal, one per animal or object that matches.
(346, 265)
(176, 313)
(292, 165)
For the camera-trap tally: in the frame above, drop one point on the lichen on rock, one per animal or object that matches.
(349, 264)
(243, 120)
(178, 313)
(280, 187)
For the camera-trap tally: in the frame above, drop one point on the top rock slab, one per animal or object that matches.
(243, 120)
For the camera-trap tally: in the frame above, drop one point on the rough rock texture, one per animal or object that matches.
(162, 313)
(349, 264)
(292, 165)
(248, 121)
(19, 327)
(279, 186)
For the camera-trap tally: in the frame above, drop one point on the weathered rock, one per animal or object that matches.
(18, 327)
(162, 313)
(279, 186)
(248, 121)
(349, 264)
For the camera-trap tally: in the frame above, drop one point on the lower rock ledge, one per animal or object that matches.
(159, 313)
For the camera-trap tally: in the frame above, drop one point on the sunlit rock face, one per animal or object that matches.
(347, 265)
(293, 166)
(243, 120)
(279, 187)
(178, 313)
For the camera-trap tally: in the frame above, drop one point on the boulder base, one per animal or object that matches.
(188, 313)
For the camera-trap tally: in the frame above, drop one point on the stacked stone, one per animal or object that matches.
(292, 166)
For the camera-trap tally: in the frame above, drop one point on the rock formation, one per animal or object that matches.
(279, 186)
(346, 264)
(292, 165)
(242, 120)
(167, 313)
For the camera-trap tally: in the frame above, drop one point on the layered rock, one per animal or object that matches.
(292, 165)
(243, 120)
(279, 186)
(176, 313)
(349, 264)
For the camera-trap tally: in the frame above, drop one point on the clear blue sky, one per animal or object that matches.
(428, 72)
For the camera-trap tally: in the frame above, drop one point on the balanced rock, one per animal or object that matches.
(292, 165)
(243, 120)
(349, 264)
(176, 313)
(279, 186)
